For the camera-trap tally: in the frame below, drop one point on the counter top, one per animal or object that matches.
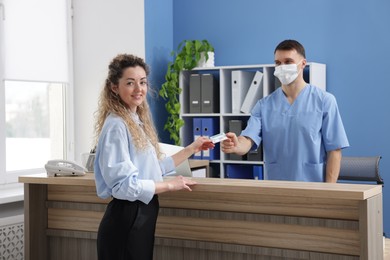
(216, 185)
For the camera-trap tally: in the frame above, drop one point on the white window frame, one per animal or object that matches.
(10, 189)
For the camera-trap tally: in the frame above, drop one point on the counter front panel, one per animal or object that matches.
(219, 219)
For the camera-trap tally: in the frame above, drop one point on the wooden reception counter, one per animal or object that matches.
(219, 219)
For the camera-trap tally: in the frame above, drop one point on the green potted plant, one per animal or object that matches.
(187, 57)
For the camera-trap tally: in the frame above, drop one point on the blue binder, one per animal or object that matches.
(239, 171)
(209, 128)
(197, 131)
(258, 172)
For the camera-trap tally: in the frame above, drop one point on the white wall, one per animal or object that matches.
(101, 30)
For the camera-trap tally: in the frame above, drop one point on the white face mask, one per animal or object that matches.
(286, 73)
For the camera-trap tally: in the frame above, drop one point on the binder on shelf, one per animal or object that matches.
(255, 92)
(206, 127)
(239, 171)
(195, 93)
(209, 128)
(236, 126)
(209, 94)
(256, 155)
(241, 81)
(214, 171)
(258, 172)
(197, 132)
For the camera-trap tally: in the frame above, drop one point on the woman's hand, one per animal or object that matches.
(200, 144)
(180, 183)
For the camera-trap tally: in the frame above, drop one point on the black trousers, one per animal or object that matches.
(126, 231)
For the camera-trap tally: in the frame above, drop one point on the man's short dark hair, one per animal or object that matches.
(288, 45)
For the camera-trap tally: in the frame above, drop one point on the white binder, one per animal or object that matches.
(241, 81)
(254, 93)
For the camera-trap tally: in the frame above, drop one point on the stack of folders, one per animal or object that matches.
(206, 127)
(203, 94)
(247, 89)
(240, 171)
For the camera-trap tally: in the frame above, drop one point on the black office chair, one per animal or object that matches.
(360, 169)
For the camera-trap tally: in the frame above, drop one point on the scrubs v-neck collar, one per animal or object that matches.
(287, 104)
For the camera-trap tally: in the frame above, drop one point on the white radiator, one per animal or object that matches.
(11, 237)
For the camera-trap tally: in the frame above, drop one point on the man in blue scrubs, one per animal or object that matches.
(299, 125)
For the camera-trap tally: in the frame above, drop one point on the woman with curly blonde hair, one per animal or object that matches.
(129, 165)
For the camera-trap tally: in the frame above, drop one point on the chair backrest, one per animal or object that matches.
(365, 169)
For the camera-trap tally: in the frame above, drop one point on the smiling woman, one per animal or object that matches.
(129, 164)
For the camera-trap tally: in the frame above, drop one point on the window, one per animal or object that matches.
(34, 124)
(34, 82)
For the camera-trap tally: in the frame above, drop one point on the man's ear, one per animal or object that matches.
(304, 63)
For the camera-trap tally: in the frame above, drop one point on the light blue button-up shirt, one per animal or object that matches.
(296, 137)
(121, 170)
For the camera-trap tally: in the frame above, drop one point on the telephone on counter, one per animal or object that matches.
(57, 168)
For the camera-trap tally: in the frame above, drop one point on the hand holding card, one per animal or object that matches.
(218, 138)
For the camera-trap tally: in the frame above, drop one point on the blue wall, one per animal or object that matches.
(351, 37)
(159, 42)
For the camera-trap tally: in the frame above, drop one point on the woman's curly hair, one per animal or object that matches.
(109, 102)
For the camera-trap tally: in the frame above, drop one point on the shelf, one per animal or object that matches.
(314, 73)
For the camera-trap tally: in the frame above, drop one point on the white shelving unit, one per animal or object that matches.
(314, 73)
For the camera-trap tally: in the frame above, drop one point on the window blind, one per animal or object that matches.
(35, 40)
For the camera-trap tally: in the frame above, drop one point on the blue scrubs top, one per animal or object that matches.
(121, 170)
(297, 137)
